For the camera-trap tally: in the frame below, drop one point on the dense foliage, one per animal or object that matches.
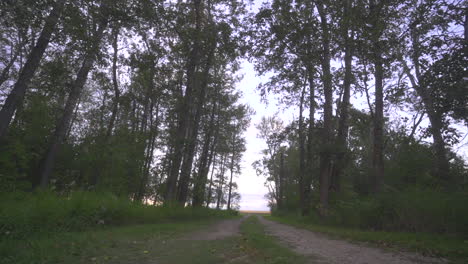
(381, 101)
(135, 98)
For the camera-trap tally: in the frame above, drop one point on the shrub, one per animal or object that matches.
(24, 214)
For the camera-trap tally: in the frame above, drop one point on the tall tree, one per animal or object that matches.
(16, 96)
(47, 163)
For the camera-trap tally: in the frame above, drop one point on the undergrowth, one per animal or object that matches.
(23, 215)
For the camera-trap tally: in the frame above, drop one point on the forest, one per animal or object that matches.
(130, 97)
(123, 112)
(381, 91)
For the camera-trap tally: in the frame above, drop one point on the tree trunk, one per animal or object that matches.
(115, 84)
(230, 181)
(310, 154)
(325, 155)
(221, 183)
(441, 159)
(205, 160)
(343, 127)
(185, 108)
(16, 95)
(280, 201)
(302, 168)
(377, 155)
(191, 143)
(47, 163)
(208, 198)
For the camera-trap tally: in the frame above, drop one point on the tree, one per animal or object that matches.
(15, 98)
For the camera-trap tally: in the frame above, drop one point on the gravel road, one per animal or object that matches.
(322, 249)
(220, 230)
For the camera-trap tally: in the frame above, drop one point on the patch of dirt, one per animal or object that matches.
(329, 250)
(219, 230)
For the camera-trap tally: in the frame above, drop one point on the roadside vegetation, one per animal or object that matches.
(451, 247)
(163, 242)
(378, 139)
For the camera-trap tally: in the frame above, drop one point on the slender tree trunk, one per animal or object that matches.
(208, 198)
(377, 156)
(185, 107)
(191, 143)
(378, 118)
(280, 200)
(310, 151)
(205, 159)
(302, 167)
(345, 104)
(230, 180)
(435, 118)
(221, 182)
(441, 161)
(16, 96)
(47, 163)
(325, 155)
(115, 83)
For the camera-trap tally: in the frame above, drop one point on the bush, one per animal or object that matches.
(25, 214)
(414, 210)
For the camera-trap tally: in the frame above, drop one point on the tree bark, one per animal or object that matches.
(185, 108)
(325, 155)
(47, 163)
(205, 159)
(343, 127)
(208, 198)
(377, 155)
(191, 143)
(221, 183)
(280, 201)
(377, 176)
(310, 151)
(302, 167)
(115, 84)
(16, 96)
(232, 174)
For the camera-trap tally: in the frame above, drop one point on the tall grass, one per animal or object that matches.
(411, 210)
(26, 214)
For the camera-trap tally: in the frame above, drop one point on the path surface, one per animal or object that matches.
(220, 230)
(322, 249)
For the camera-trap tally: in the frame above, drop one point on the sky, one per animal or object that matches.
(251, 186)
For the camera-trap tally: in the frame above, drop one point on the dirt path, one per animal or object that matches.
(219, 230)
(322, 249)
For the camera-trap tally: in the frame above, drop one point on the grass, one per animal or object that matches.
(23, 215)
(438, 245)
(262, 247)
(149, 243)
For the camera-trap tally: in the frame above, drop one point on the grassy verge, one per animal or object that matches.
(108, 245)
(149, 243)
(451, 247)
(26, 215)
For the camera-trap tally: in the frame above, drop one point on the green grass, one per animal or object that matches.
(262, 247)
(23, 215)
(110, 245)
(149, 243)
(451, 247)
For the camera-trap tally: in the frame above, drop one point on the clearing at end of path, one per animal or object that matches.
(333, 251)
